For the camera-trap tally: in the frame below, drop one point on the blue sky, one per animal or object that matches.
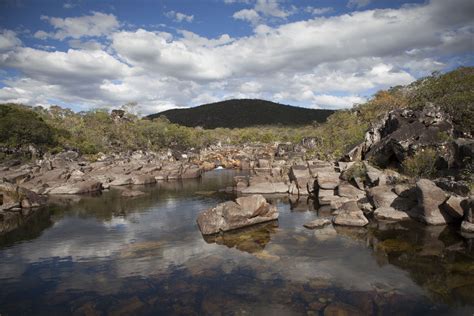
(167, 54)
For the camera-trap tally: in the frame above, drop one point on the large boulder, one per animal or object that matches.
(301, 176)
(430, 198)
(13, 197)
(245, 211)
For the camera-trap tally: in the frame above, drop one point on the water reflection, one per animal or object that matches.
(110, 254)
(249, 239)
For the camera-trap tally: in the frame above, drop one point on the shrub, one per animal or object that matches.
(421, 164)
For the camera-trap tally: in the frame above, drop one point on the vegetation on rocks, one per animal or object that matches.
(55, 129)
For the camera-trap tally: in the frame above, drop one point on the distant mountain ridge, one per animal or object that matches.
(238, 113)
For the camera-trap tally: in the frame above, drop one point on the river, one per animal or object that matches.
(105, 254)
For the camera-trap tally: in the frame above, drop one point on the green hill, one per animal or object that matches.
(243, 113)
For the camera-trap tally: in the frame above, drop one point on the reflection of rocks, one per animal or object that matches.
(251, 239)
(245, 211)
(325, 233)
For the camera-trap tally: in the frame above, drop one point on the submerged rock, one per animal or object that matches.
(132, 193)
(317, 223)
(245, 211)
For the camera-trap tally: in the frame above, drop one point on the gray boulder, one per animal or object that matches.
(430, 197)
(245, 211)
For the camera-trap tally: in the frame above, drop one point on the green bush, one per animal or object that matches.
(20, 127)
(421, 164)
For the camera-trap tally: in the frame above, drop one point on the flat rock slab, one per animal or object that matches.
(317, 223)
(328, 180)
(246, 211)
(346, 218)
(266, 188)
(391, 214)
(77, 188)
(347, 190)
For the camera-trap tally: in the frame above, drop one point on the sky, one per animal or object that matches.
(181, 53)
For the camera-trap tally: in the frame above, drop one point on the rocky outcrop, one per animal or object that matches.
(350, 215)
(403, 132)
(245, 211)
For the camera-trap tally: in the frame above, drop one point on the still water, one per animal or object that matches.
(108, 255)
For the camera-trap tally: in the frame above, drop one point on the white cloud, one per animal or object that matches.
(271, 8)
(319, 11)
(358, 3)
(179, 17)
(264, 9)
(248, 15)
(321, 62)
(97, 24)
(8, 40)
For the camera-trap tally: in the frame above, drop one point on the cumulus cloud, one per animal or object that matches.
(96, 24)
(264, 9)
(248, 15)
(179, 17)
(8, 40)
(320, 62)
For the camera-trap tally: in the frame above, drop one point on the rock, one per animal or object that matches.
(301, 176)
(230, 215)
(317, 223)
(120, 180)
(467, 227)
(350, 215)
(389, 213)
(402, 132)
(191, 172)
(405, 191)
(430, 197)
(77, 188)
(373, 174)
(328, 180)
(453, 207)
(266, 188)
(381, 196)
(143, 179)
(347, 190)
(468, 207)
(264, 163)
(325, 233)
(458, 187)
(341, 309)
(132, 193)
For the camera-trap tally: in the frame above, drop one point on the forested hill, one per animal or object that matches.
(243, 113)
